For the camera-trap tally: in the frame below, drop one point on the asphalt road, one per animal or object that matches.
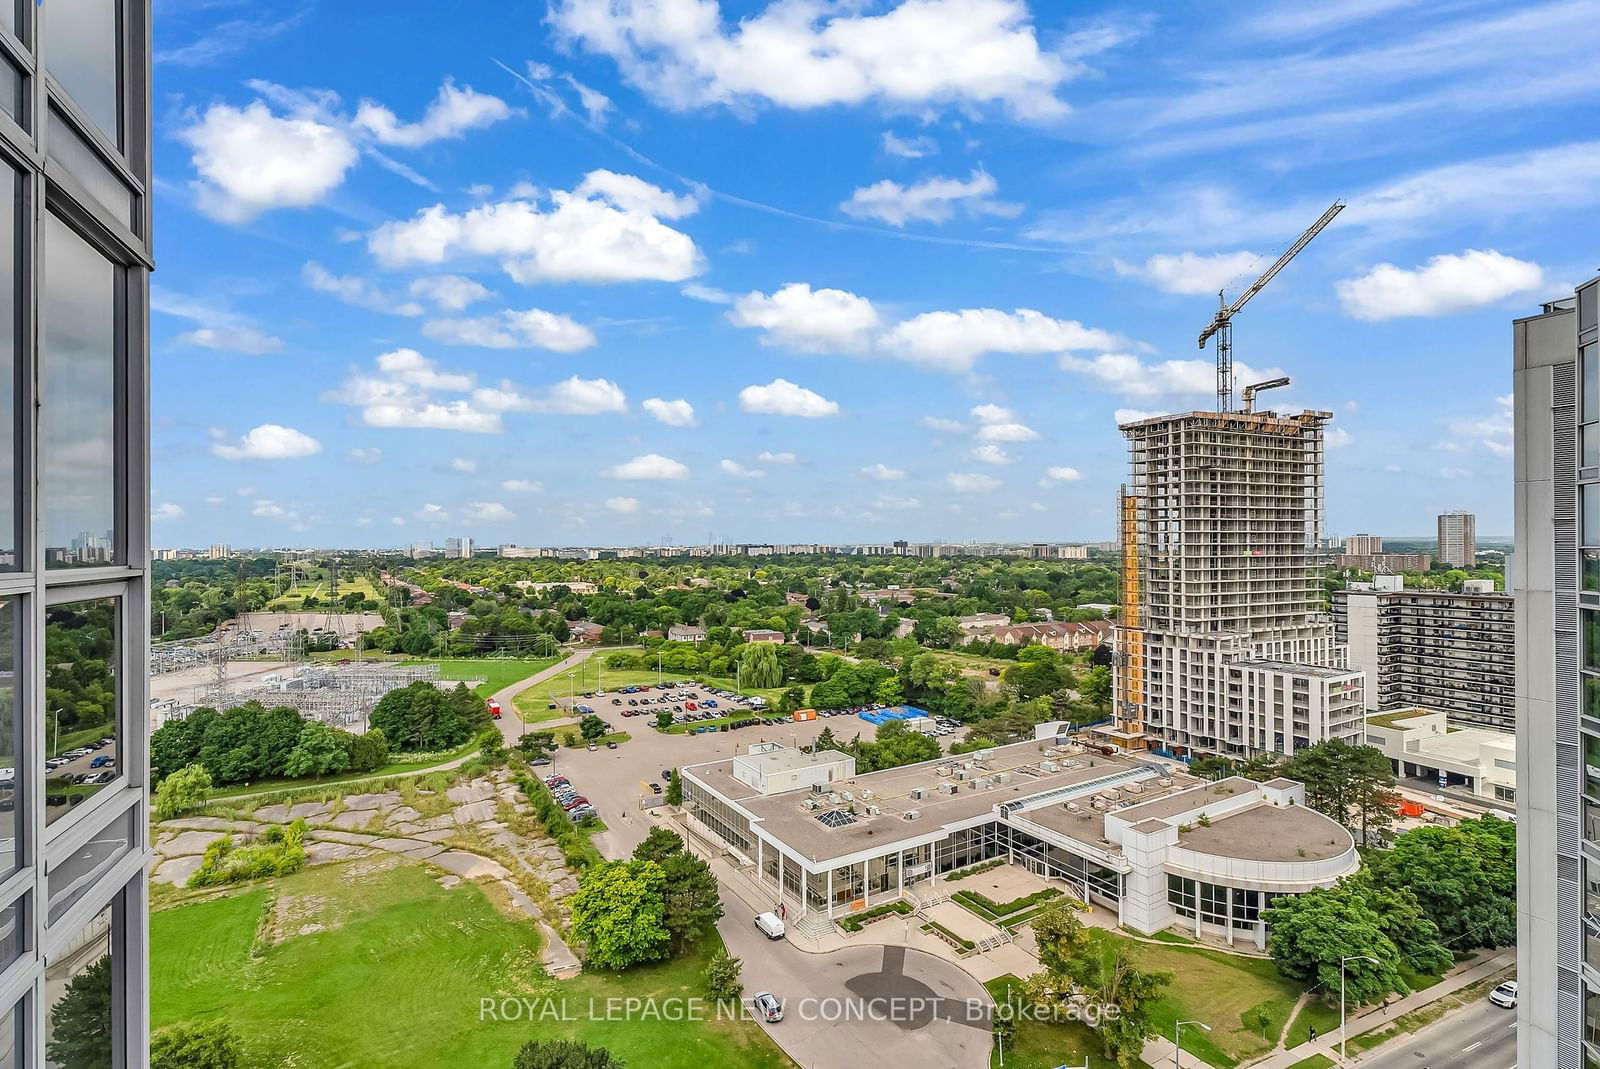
(1479, 1036)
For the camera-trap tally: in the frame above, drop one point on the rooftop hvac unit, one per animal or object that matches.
(847, 796)
(984, 755)
(949, 788)
(919, 793)
(1134, 788)
(911, 814)
(1073, 807)
(866, 794)
(819, 788)
(963, 773)
(1164, 781)
(873, 810)
(1098, 804)
(944, 770)
(1049, 766)
(833, 799)
(813, 803)
(1001, 777)
(1052, 751)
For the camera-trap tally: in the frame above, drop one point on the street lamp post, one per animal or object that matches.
(1177, 1051)
(1352, 957)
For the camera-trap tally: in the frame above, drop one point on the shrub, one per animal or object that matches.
(857, 921)
(279, 851)
(723, 983)
(983, 904)
(212, 1045)
(973, 870)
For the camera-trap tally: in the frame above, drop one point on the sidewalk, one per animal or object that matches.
(1373, 1019)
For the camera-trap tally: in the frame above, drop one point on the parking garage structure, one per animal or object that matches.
(1160, 848)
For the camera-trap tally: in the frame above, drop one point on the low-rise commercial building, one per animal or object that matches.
(763, 634)
(1421, 743)
(1161, 848)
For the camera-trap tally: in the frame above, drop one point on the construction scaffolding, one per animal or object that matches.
(1129, 633)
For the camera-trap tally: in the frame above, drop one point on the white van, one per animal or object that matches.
(771, 925)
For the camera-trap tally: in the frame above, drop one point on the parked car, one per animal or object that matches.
(666, 774)
(770, 1009)
(592, 746)
(99, 762)
(611, 744)
(1505, 995)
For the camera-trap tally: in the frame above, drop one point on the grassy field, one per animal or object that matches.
(398, 768)
(1316, 1061)
(496, 672)
(1046, 1044)
(392, 970)
(294, 598)
(1225, 991)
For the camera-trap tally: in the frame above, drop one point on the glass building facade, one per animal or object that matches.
(74, 517)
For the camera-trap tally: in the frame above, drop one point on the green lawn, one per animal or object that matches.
(1043, 1044)
(396, 975)
(1223, 990)
(496, 672)
(1316, 1061)
(293, 599)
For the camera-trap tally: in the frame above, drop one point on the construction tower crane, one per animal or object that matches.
(1222, 323)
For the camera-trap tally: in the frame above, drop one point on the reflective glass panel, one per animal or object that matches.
(78, 388)
(10, 729)
(79, 995)
(80, 50)
(81, 654)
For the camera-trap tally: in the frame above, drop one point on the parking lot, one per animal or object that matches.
(640, 704)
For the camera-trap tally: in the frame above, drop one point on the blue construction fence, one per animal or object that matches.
(894, 712)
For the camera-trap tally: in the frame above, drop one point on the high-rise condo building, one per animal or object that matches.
(1224, 645)
(1458, 539)
(1555, 573)
(1363, 544)
(74, 531)
(1453, 653)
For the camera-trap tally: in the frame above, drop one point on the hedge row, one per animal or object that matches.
(985, 905)
(973, 870)
(856, 921)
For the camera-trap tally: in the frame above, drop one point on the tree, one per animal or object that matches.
(564, 1054)
(1060, 935)
(318, 753)
(1353, 785)
(792, 699)
(692, 902)
(1464, 879)
(1114, 979)
(675, 789)
(1095, 686)
(888, 692)
(492, 746)
(759, 666)
(659, 845)
(1032, 678)
(663, 719)
(592, 728)
(723, 983)
(618, 913)
(80, 1021)
(188, 788)
(1311, 933)
(421, 717)
(212, 1045)
(1400, 915)
(536, 744)
(825, 741)
(367, 752)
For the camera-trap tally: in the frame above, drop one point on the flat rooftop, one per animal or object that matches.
(1316, 671)
(788, 759)
(1264, 832)
(786, 817)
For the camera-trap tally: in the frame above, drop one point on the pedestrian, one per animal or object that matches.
(1386, 1005)
(1311, 1036)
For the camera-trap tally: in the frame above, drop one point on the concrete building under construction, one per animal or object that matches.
(1224, 645)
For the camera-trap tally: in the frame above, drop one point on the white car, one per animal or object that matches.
(770, 1009)
(1505, 995)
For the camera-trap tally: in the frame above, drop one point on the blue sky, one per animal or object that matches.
(611, 271)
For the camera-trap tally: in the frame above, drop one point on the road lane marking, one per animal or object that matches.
(1473, 1047)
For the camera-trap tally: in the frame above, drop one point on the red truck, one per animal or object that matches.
(494, 708)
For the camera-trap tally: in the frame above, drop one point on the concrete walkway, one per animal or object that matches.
(1372, 1018)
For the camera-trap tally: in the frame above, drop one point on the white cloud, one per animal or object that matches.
(933, 200)
(679, 413)
(597, 233)
(533, 328)
(622, 505)
(1060, 474)
(466, 465)
(1493, 431)
(908, 148)
(269, 441)
(1454, 473)
(635, 194)
(971, 483)
(237, 339)
(450, 292)
(1036, 506)
(768, 457)
(780, 397)
(997, 424)
(352, 289)
(451, 114)
(953, 341)
(432, 514)
(892, 502)
(992, 454)
(739, 471)
(583, 397)
(650, 466)
(922, 52)
(404, 393)
(1336, 438)
(366, 455)
(1132, 415)
(1129, 376)
(949, 426)
(522, 486)
(802, 318)
(705, 294)
(414, 369)
(398, 521)
(486, 512)
(213, 500)
(1190, 272)
(166, 512)
(250, 161)
(1447, 283)
(883, 473)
